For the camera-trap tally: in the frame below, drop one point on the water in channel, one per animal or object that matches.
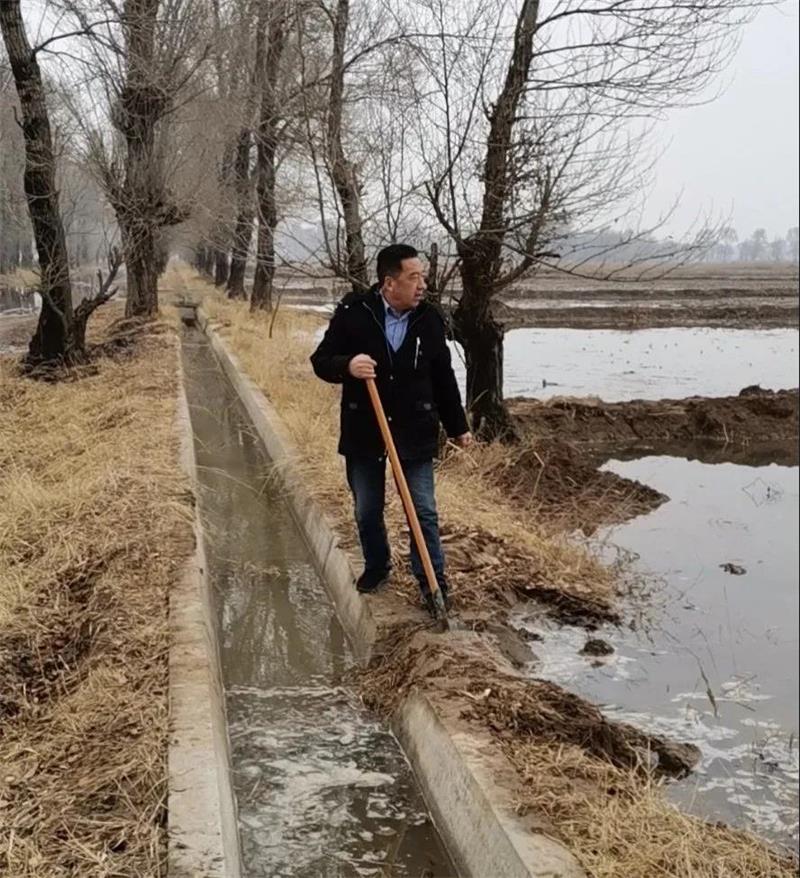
(322, 789)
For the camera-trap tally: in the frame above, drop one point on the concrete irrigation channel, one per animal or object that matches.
(290, 775)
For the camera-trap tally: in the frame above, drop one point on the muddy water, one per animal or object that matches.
(646, 363)
(713, 655)
(323, 791)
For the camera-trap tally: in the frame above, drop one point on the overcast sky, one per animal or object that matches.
(739, 155)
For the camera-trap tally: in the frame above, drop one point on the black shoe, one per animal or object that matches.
(371, 580)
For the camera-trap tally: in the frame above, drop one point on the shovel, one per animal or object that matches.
(408, 504)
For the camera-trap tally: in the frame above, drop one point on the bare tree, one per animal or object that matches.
(275, 20)
(535, 121)
(243, 226)
(142, 54)
(15, 229)
(251, 54)
(343, 171)
(55, 338)
(356, 64)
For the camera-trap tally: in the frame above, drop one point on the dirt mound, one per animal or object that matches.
(751, 419)
(488, 571)
(548, 713)
(559, 481)
(463, 667)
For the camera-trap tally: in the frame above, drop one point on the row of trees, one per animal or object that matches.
(757, 248)
(481, 131)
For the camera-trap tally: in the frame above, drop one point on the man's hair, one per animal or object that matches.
(390, 260)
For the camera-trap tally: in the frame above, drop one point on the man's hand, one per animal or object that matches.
(464, 440)
(362, 366)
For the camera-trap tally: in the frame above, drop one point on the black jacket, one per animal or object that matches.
(416, 383)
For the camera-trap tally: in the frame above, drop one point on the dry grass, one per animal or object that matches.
(495, 548)
(94, 526)
(618, 823)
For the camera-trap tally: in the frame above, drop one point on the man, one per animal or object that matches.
(390, 334)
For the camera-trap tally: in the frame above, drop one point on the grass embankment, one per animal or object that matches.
(579, 778)
(95, 524)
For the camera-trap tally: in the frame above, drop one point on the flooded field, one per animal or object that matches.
(645, 364)
(322, 789)
(711, 652)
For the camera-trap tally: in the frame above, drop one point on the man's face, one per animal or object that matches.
(405, 291)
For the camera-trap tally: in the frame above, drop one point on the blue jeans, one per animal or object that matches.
(367, 479)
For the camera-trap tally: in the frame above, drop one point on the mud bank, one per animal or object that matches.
(646, 315)
(753, 419)
(557, 480)
(756, 296)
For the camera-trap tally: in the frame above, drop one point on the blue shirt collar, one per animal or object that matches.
(390, 312)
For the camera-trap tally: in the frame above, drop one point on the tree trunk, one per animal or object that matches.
(434, 294)
(26, 256)
(266, 153)
(142, 202)
(208, 262)
(220, 267)
(142, 271)
(243, 230)
(481, 253)
(482, 338)
(53, 339)
(162, 253)
(342, 170)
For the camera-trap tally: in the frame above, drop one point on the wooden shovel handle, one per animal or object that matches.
(402, 486)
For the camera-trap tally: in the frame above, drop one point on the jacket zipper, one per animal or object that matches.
(383, 333)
